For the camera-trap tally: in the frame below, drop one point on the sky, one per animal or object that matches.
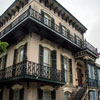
(86, 11)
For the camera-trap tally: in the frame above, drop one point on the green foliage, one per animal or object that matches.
(3, 46)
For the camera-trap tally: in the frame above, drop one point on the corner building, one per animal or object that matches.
(47, 57)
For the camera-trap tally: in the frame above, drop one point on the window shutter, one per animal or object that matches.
(68, 34)
(11, 94)
(75, 38)
(62, 62)
(53, 59)
(60, 26)
(70, 68)
(5, 61)
(42, 16)
(53, 23)
(40, 94)
(25, 52)
(15, 57)
(53, 95)
(40, 55)
(22, 94)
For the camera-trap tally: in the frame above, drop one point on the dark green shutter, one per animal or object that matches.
(25, 52)
(40, 55)
(40, 94)
(53, 59)
(53, 23)
(5, 61)
(70, 68)
(68, 34)
(42, 16)
(15, 57)
(62, 62)
(53, 95)
(11, 94)
(60, 27)
(22, 94)
(75, 39)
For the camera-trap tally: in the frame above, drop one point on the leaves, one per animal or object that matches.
(3, 46)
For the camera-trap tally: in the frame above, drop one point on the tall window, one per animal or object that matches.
(46, 57)
(16, 95)
(66, 69)
(91, 71)
(66, 96)
(46, 95)
(21, 54)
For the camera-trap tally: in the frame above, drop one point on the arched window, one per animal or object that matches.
(66, 96)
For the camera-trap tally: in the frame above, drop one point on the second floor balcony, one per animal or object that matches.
(32, 71)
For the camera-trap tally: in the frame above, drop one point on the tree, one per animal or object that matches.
(3, 46)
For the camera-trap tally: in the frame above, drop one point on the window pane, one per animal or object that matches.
(66, 96)
(46, 95)
(16, 95)
(21, 55)
(46, 19)
(63, 31)
(46, 57)
(65, 66)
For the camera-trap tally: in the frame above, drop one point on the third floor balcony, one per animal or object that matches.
(33, 21)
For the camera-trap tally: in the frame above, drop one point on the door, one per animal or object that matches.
(79, 77)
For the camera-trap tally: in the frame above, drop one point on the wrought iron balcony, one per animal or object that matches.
(37, 17)
(33, 71)
(92, 83)
(87, 45)
(71, 41)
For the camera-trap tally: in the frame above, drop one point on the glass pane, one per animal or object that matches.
(46, 57)
(65, 66)
(63, 31)
(21, 55)
(66, 95)
(46, 95)
(91, 95)
(16, 95)
(46, 19)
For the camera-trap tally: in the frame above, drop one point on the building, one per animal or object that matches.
(47, 57)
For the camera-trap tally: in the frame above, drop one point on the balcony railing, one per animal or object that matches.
(31, 13)
(28, 69)
(90, 47)
(38, 17)
(92, 83)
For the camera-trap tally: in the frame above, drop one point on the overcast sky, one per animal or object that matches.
(86, 11)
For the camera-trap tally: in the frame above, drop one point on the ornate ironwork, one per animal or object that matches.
(37, 71)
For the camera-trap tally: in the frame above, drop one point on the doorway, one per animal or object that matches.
(79, 77)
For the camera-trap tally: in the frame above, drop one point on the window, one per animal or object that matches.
(93, 95)
(21, 54)
(91, 71)
(46, 58)
(63, 30)
(46, 95)
(47, 19)
(66, 69)
(66, 96)
(16, 95)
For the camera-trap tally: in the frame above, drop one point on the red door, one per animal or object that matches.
(79, 77)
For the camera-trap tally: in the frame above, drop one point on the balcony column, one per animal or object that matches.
(86, 72)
